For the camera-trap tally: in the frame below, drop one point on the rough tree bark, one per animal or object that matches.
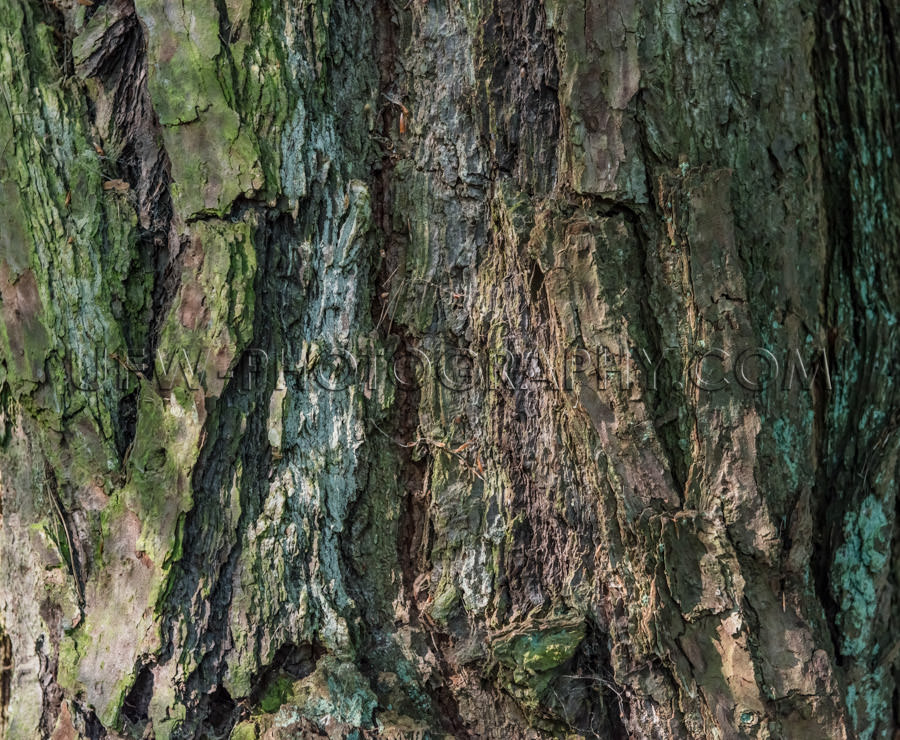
(350, 355)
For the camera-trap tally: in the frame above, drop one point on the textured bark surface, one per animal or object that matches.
(385, 368)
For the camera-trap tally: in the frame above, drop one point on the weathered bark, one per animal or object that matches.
(251, 250)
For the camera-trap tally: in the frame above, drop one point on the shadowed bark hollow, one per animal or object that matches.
(449, 368)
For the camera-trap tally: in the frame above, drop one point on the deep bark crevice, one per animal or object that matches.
(236, 429)
(137, 700)
(6, 673)
(118, 62)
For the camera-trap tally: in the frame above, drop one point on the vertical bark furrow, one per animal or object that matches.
(857, 83)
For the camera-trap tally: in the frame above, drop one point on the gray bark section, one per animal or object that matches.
(409, 369)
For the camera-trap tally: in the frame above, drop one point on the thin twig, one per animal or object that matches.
(62, 519)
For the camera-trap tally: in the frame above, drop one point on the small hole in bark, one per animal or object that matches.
(537, 281)
(137, 702)
(221, 712)
(298, 660)
(93, 728)
(126, 422)
(290, 661)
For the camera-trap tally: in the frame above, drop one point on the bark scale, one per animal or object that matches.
(437, 369)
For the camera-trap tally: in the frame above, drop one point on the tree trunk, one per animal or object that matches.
(504, 369)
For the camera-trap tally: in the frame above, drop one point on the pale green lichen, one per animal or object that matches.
(857, 571)
(214, 158)
(246, 730)
(57, 287)
(543, 649)
(532, 653)
(278, 692)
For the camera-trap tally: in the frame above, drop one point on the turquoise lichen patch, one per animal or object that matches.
(867, 699)
(338, 690)
(858, 568)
